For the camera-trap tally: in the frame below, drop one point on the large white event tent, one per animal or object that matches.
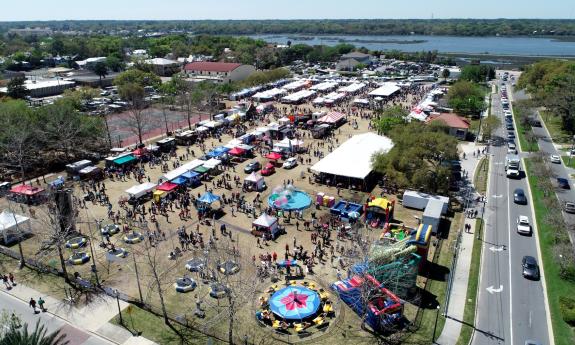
(386, 90)
(13, 227)
(352, 160)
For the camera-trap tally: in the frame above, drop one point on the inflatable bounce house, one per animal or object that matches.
(366, 296)
(378, 212)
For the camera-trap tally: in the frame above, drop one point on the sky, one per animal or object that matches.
(281, 9)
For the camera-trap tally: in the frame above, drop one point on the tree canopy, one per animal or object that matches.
(391, 118)
(415, 161)
(137, 77)
(466, 98)
(477, 73)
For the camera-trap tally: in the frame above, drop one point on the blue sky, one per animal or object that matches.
(278, 9)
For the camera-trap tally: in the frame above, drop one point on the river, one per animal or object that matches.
(519, 46)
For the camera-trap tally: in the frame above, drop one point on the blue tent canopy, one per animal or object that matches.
(190, 175)
(180, 180)
(209, 198)
(218, 151)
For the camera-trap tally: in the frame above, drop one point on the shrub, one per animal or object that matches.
(567, 306)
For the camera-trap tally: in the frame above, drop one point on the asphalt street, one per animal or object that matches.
(510, 308)
(51, 322)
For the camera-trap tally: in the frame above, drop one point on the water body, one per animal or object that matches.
(521, 46)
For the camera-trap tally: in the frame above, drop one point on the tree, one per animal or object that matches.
(466, 98)
(101, 70)
(415, 161)
(137, 119)
(114, 63)
(137, 77)
(445, 74)
(22, 336)
(489, 125)
(17, 88)
(391, 118)
(477, 73)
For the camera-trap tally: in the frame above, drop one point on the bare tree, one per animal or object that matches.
(137, 119)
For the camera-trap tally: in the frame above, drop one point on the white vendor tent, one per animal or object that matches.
(13, 227)
(386, 90)
(353, 158)
(265, 224)
(212, 163)
(254, 181)
(141, 189)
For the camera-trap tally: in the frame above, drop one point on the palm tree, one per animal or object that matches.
(38, 337)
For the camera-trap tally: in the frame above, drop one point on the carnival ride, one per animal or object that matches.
(364, 294)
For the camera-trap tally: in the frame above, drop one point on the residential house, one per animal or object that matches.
(458, 126)
(164, 67)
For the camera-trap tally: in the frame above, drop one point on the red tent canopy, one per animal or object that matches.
(25, 189)
(237, 151)
(273, 156)
(167, 186)
(140, 151)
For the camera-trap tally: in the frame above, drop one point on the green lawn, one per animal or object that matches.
(553, 124)
(524, 144)
(568, 161)
(153, 328)
(470, 302)
(480, 179)
(556, 287)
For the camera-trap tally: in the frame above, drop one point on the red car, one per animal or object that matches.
(268, 169)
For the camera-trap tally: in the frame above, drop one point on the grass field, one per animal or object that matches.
(568, 161)
(480, 179)
(524, 144)
(553, 124)
(556, 287)
(471, 297)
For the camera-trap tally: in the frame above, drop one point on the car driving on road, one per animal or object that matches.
(523, 226)
(563, 183)
(555, 159)
(519, 197)
(530, 268)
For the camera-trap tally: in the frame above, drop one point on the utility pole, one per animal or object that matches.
(137, 278)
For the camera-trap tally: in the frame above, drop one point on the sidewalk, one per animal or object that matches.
(92, 318)
(458, 295)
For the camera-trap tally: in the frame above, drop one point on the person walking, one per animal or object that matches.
(41, 304)
(32, 304)
(11, 277)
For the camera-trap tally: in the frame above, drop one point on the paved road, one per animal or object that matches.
(510, 309)
(51, 322)
(559, 170)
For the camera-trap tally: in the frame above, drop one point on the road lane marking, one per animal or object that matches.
(496, 248)
(493, 290)
(497, 196)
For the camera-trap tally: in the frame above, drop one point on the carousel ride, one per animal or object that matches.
(76, 242)
(79, 258)
(185, 284)
(133, 237)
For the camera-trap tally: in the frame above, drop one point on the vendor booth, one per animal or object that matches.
(167, 144)
(74, 168)
(254, 182)
(91, 173)
(164, 190)
(27, 194)
(122, 161)
(209, 204)
(266, 224)
(13, 227)
(193, 178)
(140, 193)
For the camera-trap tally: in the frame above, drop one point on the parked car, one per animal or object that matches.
(530, 268)
(523, 226)
(511, 135)
(509, 126)
(563, 183)
(569, 207)
(519, 197)
(268, 169)
(511, 148)
(290, 163)
(252, 166)
(555, 159)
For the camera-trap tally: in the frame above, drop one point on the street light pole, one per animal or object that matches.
(435, 325)
(117, 293)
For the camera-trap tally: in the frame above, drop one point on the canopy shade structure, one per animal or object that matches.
(386, 90)
(190, 175)
(13, 227)
(351, 88)
(170, 175)
(201, 170)
(236, 151)
(353, 158)
(167, 187)
(212, 163)
(273, 156)
(254, 177)
(265, 221)
(124, 160)
(193, 164)
(25, 189)
(218, 151)
(294, 303)
(332, 117)
(141, 189)
(179, 180)
(209, 198)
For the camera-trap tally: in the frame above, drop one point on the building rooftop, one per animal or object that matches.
(450, 120)
(206, 66)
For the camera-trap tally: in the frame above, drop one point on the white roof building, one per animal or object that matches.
(386, 90)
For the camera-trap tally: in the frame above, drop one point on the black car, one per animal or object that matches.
(563, 183)
(519, 197)
(511, 135)
(509, 126)
(252, 166)
(530, 268)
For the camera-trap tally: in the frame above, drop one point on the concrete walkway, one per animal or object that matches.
(92, 318)
(458, 295)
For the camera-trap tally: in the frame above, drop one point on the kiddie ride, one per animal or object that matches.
(383, 310)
